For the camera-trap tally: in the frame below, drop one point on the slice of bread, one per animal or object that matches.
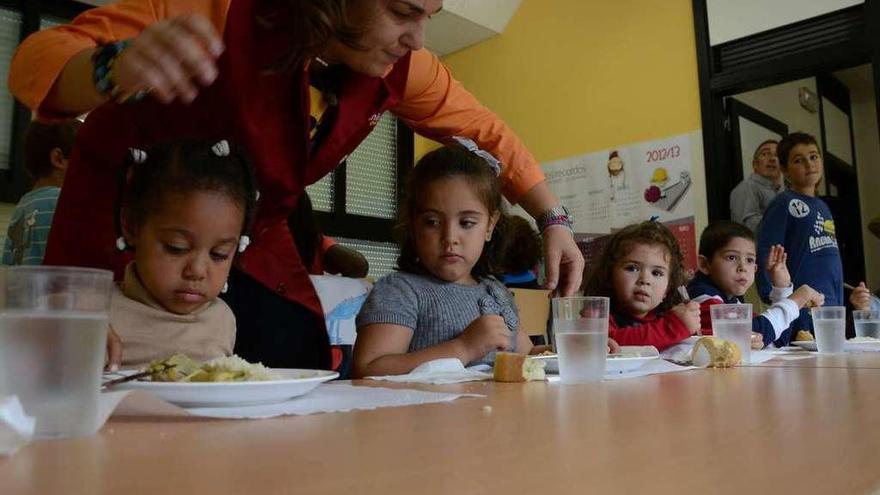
(712, 352)
(513, 367)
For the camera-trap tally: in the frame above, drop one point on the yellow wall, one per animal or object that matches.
(574, 76)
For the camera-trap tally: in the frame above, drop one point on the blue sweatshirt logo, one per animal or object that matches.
(798, 208)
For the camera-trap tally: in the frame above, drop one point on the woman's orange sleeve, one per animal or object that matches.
(40, 58)
(438, 107)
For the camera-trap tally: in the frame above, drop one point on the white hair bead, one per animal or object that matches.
(138, 156)
(243, 242)
(221, 148)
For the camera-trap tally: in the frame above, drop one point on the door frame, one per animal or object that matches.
(736, 109)
(820, 45)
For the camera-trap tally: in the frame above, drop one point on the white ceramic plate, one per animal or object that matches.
(293, 382)
(809, 345)
(849, 345)
(620, 364)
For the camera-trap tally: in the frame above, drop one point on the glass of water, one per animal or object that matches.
(867, 323)
(53, 332)
(733, 323)
(580, 329)
(829, 325)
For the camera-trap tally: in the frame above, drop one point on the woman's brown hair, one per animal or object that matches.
(310, 25)
(621, 243)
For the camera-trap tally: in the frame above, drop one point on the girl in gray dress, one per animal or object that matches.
(444, 302)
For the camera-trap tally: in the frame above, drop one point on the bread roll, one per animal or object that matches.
(804, 336)
(712, 352)
(513, 367)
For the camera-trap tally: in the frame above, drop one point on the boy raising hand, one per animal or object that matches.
(727, 266)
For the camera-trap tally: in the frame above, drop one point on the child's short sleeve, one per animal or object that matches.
(393, 300)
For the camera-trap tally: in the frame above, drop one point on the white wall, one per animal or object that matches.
(734, 19)
(781, 103)
(865, 135)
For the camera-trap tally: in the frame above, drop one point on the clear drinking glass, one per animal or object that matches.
(867, 323)
(580, 328)
(733, 322)
(53, 333)
(829, 325)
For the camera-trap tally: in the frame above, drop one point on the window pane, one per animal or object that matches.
(371, 173)
(381, 255)
(47, 21)
(321, 193)
(10, 31)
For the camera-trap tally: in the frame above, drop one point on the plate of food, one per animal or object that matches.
(223, 382)
(628, 359)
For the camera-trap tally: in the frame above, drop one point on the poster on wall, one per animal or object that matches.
(610, 189)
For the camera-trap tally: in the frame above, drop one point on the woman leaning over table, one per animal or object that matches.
(298, 83)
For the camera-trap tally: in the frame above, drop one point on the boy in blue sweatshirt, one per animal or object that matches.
(727, 266)
(803, 225)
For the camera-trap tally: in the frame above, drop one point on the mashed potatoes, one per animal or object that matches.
(182, 368)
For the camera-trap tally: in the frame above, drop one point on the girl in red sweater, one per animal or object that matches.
(640, 269)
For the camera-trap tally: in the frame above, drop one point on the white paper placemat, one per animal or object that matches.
(441, 372)
(325, 398)
(656, 367)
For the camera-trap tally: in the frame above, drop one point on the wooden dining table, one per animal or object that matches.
(802, 427)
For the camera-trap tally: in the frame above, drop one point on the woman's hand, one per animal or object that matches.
(171, 59)
(113, 357)
(564, 263)
(485, 334)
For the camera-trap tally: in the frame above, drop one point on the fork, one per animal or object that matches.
(136, 376)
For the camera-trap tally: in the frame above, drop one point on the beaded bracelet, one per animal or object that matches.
(104, 75)
(558, 215)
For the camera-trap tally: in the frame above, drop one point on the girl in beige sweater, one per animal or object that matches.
(184, 212)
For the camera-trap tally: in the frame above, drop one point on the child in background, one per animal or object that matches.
(727, 266)
(520, 261)
(802, 224)
(444, 301)
(184, 212)
(641, 269)
(320, 253)
(46, 148)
